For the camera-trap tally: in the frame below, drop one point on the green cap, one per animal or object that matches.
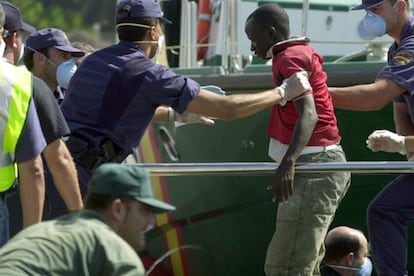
(130, 181)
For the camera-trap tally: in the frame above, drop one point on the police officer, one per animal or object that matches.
(116, 92)
(21, 143)
(393, 208)
(58, 158)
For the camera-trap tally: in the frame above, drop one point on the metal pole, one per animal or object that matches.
(305, 13)
(266, 168)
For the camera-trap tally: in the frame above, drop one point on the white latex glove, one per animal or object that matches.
(294, 86)
(214, 88)
(384, 140)
(192, 118)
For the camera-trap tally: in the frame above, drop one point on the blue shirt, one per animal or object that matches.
(114, 94)
(400, 66)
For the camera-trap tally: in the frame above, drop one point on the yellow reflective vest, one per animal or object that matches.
(15, 94)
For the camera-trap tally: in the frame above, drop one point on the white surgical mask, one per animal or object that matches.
(160, 42)
(363, 270)
(20, 58)
(372, 26)
(64, 72)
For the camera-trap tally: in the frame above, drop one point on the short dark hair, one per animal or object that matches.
(135, 33)
(28, 57)
(272, 15)
(340, 245)
(99, 203)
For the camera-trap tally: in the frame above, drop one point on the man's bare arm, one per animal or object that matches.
(32, 190)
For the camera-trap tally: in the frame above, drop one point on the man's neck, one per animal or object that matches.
(9, 56)
(397, 30)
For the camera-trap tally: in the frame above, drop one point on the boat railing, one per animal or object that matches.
(266, 168)
(230, 42)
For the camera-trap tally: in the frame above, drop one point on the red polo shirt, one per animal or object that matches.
(288, 59)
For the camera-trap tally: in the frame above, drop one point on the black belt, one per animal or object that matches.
(80, 150)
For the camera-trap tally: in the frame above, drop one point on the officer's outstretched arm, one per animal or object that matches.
(237, 106)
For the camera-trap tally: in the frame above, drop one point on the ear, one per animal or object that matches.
(11, 40)
(39, 58)
(153, 33)
(400, 6)
(14, 39)
(350, 258)
(272, 32)
(117, 211)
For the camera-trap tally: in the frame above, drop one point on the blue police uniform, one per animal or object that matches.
(112, 99)
(391, 210)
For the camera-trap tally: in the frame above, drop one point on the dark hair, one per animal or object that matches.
(28, 57)
(135, 33)
(340, 245)
(272, 15)
(100, 203)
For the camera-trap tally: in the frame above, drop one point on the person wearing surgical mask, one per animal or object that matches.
(392, 210)
(346, 253)
(373, 25)
(49, 56)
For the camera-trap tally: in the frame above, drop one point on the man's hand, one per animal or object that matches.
(294, 86)
(282, 184)
(384, 140)
(192, 118)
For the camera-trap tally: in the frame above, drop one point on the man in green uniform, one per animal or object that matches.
(102, 239)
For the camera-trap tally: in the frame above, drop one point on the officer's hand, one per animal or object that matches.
(192, 118)
(384, 140)
(294, 86)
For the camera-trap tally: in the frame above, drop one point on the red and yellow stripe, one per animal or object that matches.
(149, 153)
